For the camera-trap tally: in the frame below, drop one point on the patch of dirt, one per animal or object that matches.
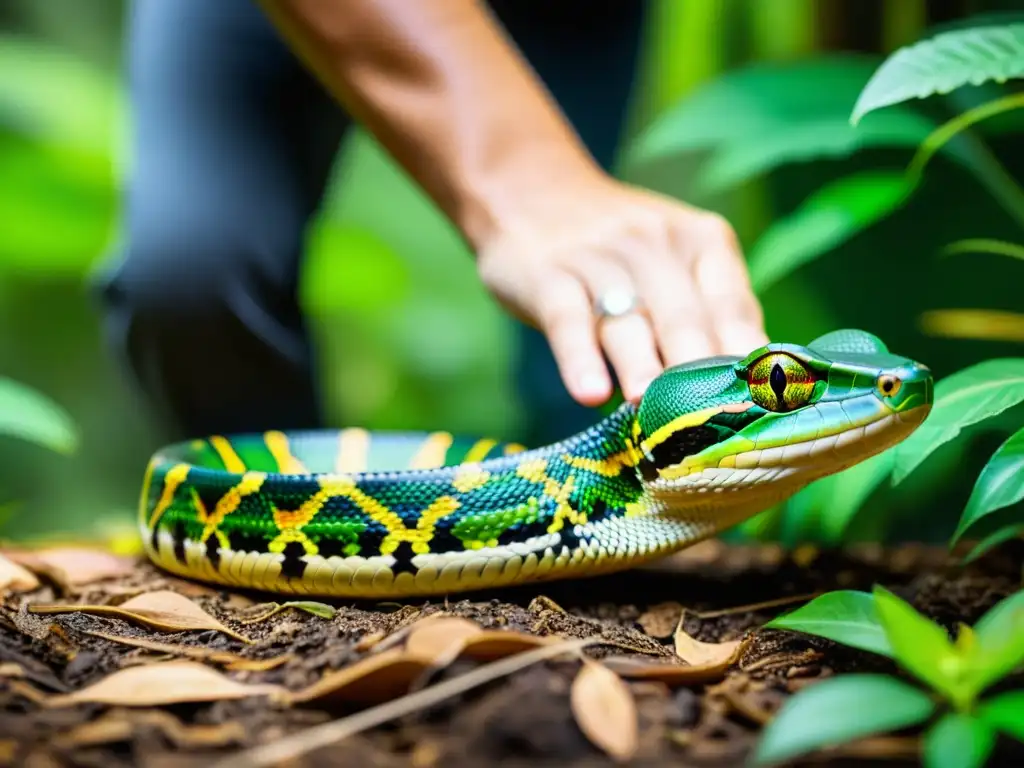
(314, 665)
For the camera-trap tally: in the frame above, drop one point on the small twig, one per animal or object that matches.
(304, 742)
(755, 606)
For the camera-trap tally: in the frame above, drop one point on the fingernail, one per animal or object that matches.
(593, 385)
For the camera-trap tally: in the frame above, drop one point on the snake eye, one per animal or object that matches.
(780, 383)
(888, 385)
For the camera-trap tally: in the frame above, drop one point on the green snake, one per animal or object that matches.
(350, 513)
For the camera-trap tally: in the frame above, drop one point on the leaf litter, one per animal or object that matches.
(611, 655)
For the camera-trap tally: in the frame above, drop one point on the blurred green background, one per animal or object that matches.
(742, 108)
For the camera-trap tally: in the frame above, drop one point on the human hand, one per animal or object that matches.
(599, 238)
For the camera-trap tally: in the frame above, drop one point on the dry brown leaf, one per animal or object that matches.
(230, 660)
(372, 680)
(171, 682)
(442, 638)
(670, 674)
(15, 578)
(163, 610)
(490, 644)
(605, 710)
(71, 567)
(661, 619)
(119, 726)
(699, 653)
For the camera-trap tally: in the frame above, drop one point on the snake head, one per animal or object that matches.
(777, 419)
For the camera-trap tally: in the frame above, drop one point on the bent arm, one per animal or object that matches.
(448, 96)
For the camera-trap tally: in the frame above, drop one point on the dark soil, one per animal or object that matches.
(519, 720)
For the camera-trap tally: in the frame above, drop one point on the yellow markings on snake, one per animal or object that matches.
(432, 453)
(479, 450)
(250, 483)
(535, 471)
(147, 480)
(469, 478)
(290, 523)
(608, 467)
(232, 463)
(513, 448)
(175, 477)
(353, 450)
(277, 444)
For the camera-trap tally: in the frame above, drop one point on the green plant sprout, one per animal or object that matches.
(960, 727)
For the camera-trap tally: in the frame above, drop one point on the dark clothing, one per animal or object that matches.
(233, 144)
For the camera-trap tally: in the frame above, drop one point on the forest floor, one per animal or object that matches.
(106, 661)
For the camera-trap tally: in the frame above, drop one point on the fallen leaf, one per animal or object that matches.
(660, 620)
(163, 610)
(372, 680)
(264, 611)
(11, 669)
(441, 639)
(370, 640)
(71, 567)
(120, 726)
(669, 673)
(490, 644)
(230, 660)
(699, 653)
(14, 578)
(605, 710)
(170, 682)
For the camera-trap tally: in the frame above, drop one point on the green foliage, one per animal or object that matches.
(835, 213)
(829, 137)
(56, 98)
(1005, 713)
(1000, 484)
(29, 415)
(958, 741)
(962, 399)
(852, 706)
(944, 63)
(841, 709)
(983, 245)
(845, 616)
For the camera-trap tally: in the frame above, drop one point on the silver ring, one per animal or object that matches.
(616, 302)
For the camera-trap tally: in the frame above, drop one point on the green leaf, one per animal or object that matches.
(31, 416)
(839, 710)
(845, 616)
(993, 540)
(751, 102)
(958, 741)
(984, 245)
(51, 96)
(943, 63)
(966, 397)
(322, 610)
(826, 137)
(1000, 483)
(997, 648)
(1005, 713)
(828, 218)
(920, 645)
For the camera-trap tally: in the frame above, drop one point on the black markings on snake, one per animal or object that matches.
(685, 442)
(178, 536)
(403, 555)
(292, 565)
(243, 541)
(212, 553)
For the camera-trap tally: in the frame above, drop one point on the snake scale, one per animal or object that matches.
(356, 514)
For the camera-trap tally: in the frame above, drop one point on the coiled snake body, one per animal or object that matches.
(350, 513)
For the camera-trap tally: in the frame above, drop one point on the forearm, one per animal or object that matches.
(443, 90)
